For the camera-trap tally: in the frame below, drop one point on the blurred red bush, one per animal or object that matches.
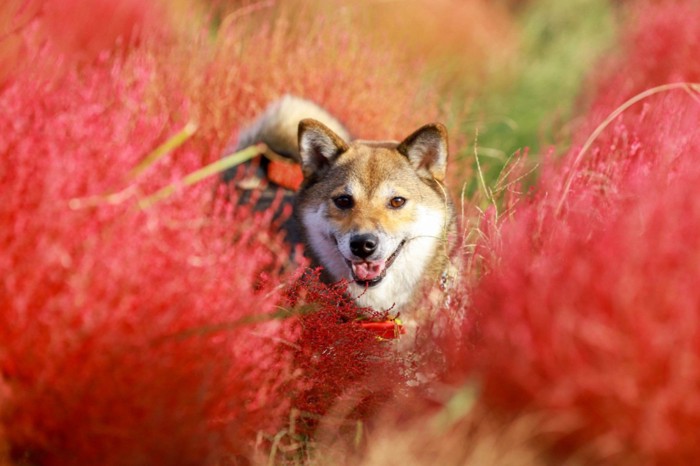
(347, 372)
(659, 42)
(122, 330)
(587, 314)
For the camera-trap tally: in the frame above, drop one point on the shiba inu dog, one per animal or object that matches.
(373, 213)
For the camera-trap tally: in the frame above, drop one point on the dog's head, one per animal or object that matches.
(374, 212)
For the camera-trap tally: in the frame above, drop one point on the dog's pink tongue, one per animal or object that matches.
(367, 270)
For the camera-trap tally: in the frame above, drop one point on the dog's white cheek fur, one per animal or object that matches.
(320, 240)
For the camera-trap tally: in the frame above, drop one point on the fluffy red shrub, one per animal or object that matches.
(347, 370)
(124, 332)
(592, 318)
(82, 30)
(587, 314)
(658, 45)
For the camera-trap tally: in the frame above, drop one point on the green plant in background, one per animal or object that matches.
(531, 101)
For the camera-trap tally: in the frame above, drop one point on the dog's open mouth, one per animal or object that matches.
(370, 273)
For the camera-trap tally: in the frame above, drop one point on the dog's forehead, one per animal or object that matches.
(372, 166)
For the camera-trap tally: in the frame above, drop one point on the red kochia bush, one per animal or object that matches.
(348, 373)
(659, 44)
(124, 333)
(595, 321)
(588, 314)
(657, 50)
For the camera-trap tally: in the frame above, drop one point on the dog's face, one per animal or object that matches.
(373, 213)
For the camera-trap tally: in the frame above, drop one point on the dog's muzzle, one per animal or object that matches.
(370, 273)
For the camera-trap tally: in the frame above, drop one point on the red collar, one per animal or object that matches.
(386, 330)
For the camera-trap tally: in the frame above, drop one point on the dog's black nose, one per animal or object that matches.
(363, 245)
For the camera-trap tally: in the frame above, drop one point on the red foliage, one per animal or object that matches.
(347, 371)
(657, 49)
(659, 45)
(122, 330)
(588, 314)
(84, 29)
(593, 319)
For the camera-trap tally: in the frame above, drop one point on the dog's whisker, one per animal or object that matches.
(437, 237)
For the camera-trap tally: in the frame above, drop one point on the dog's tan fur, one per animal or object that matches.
(373, 174)
(390, 193)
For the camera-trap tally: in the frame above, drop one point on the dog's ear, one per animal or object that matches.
(426, 149)
(318, 146)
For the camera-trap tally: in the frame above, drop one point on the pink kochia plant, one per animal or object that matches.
(588, 314)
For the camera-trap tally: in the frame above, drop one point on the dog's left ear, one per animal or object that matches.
(426, 149)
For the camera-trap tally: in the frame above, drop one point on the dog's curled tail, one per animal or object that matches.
(277, 126)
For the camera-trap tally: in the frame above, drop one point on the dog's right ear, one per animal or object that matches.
(426, 149)
(318, 146)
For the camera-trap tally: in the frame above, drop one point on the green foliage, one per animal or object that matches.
(531, 102)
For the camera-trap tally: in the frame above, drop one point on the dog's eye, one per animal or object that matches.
(344, 202)
(397, 202)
